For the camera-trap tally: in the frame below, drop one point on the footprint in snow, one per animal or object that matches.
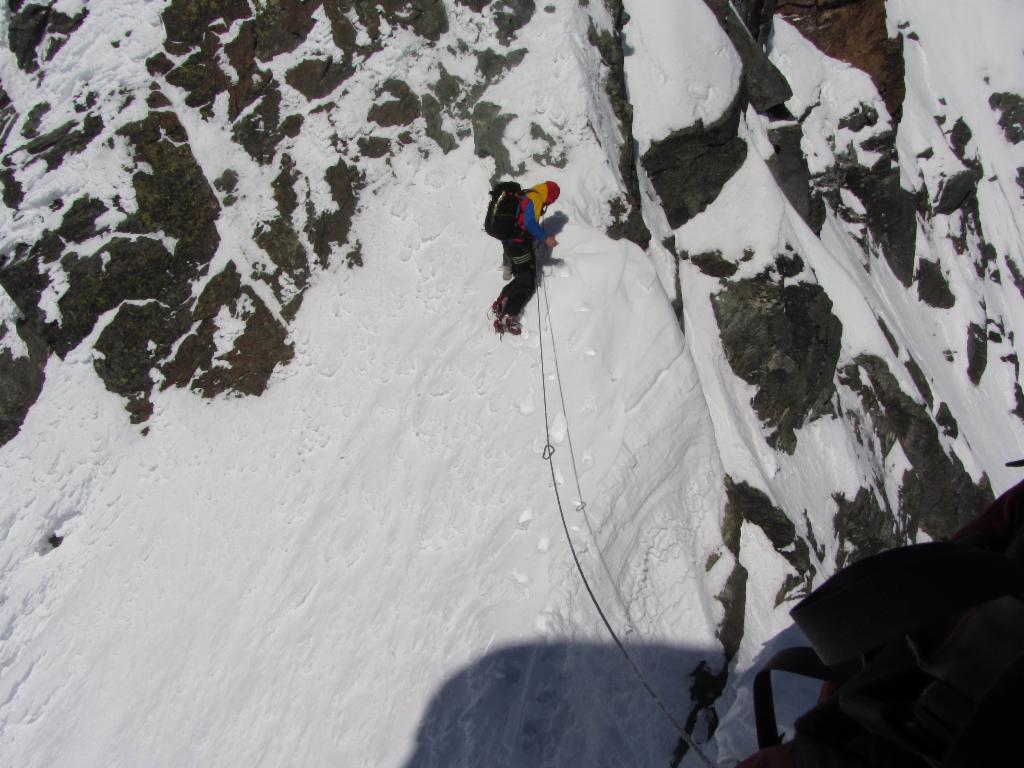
(558, 429)
(524, 520)
(587, 462)
(526, 406)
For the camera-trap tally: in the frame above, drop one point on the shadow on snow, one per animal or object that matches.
(561, 704)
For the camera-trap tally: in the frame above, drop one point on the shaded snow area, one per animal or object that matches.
(274, 493)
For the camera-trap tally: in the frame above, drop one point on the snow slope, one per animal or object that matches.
(291, 579)
(365, 566)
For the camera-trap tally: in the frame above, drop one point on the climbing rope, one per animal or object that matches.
(548, 455)
(581, 505)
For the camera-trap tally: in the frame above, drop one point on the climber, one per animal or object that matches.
(519, 253)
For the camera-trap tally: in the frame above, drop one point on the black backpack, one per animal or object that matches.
(925, 648)
(501, 219)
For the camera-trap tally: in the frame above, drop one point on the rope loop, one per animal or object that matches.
(549, 451)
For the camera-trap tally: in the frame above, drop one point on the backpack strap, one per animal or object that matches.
(898, 592)
(521, 215)
(799, 661)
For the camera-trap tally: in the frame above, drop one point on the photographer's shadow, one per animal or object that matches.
(559, 704)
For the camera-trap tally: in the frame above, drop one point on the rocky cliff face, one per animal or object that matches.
(145, 272)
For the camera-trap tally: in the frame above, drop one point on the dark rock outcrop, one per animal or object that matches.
(331, 228)
(318, 78)
(854, 31)
(174, 199)
(960, 136)
(24, 280)
(70, 138)
(789, 264)
(25, 33)
(21, 379)
(427, 18)
(733, 598)
(401, 109)
(629, 222)
(488, 138)
(863, 527)
(713, 264)
(936, 494)
(187, 23)
(932, 287)
(8, 117)
(290, 273)
(141, 283)
(747, 504)
(373, 146)
(30, 128)
(492, 65)
(977, 352)
(920, 380)
(890, 210)
(784, 340)
(789, 167)
(756, 15)
(125, 269)
(193, 28)
(944, 418)
(955, 191)
(434, 118)
(1011, 119)
(137, 338)
(12, 193)
(79, 222)
(254, 354)
(512, 15)
(282, 26)
(32, 25)
(260, 130)
(689, 167)
(764, 85)
(174, 196)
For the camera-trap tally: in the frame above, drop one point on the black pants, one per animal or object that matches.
(524, 281)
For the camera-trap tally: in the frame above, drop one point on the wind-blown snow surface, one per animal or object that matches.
(365, 565)
(289, 580)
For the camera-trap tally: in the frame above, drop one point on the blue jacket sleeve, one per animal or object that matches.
(531, 224)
